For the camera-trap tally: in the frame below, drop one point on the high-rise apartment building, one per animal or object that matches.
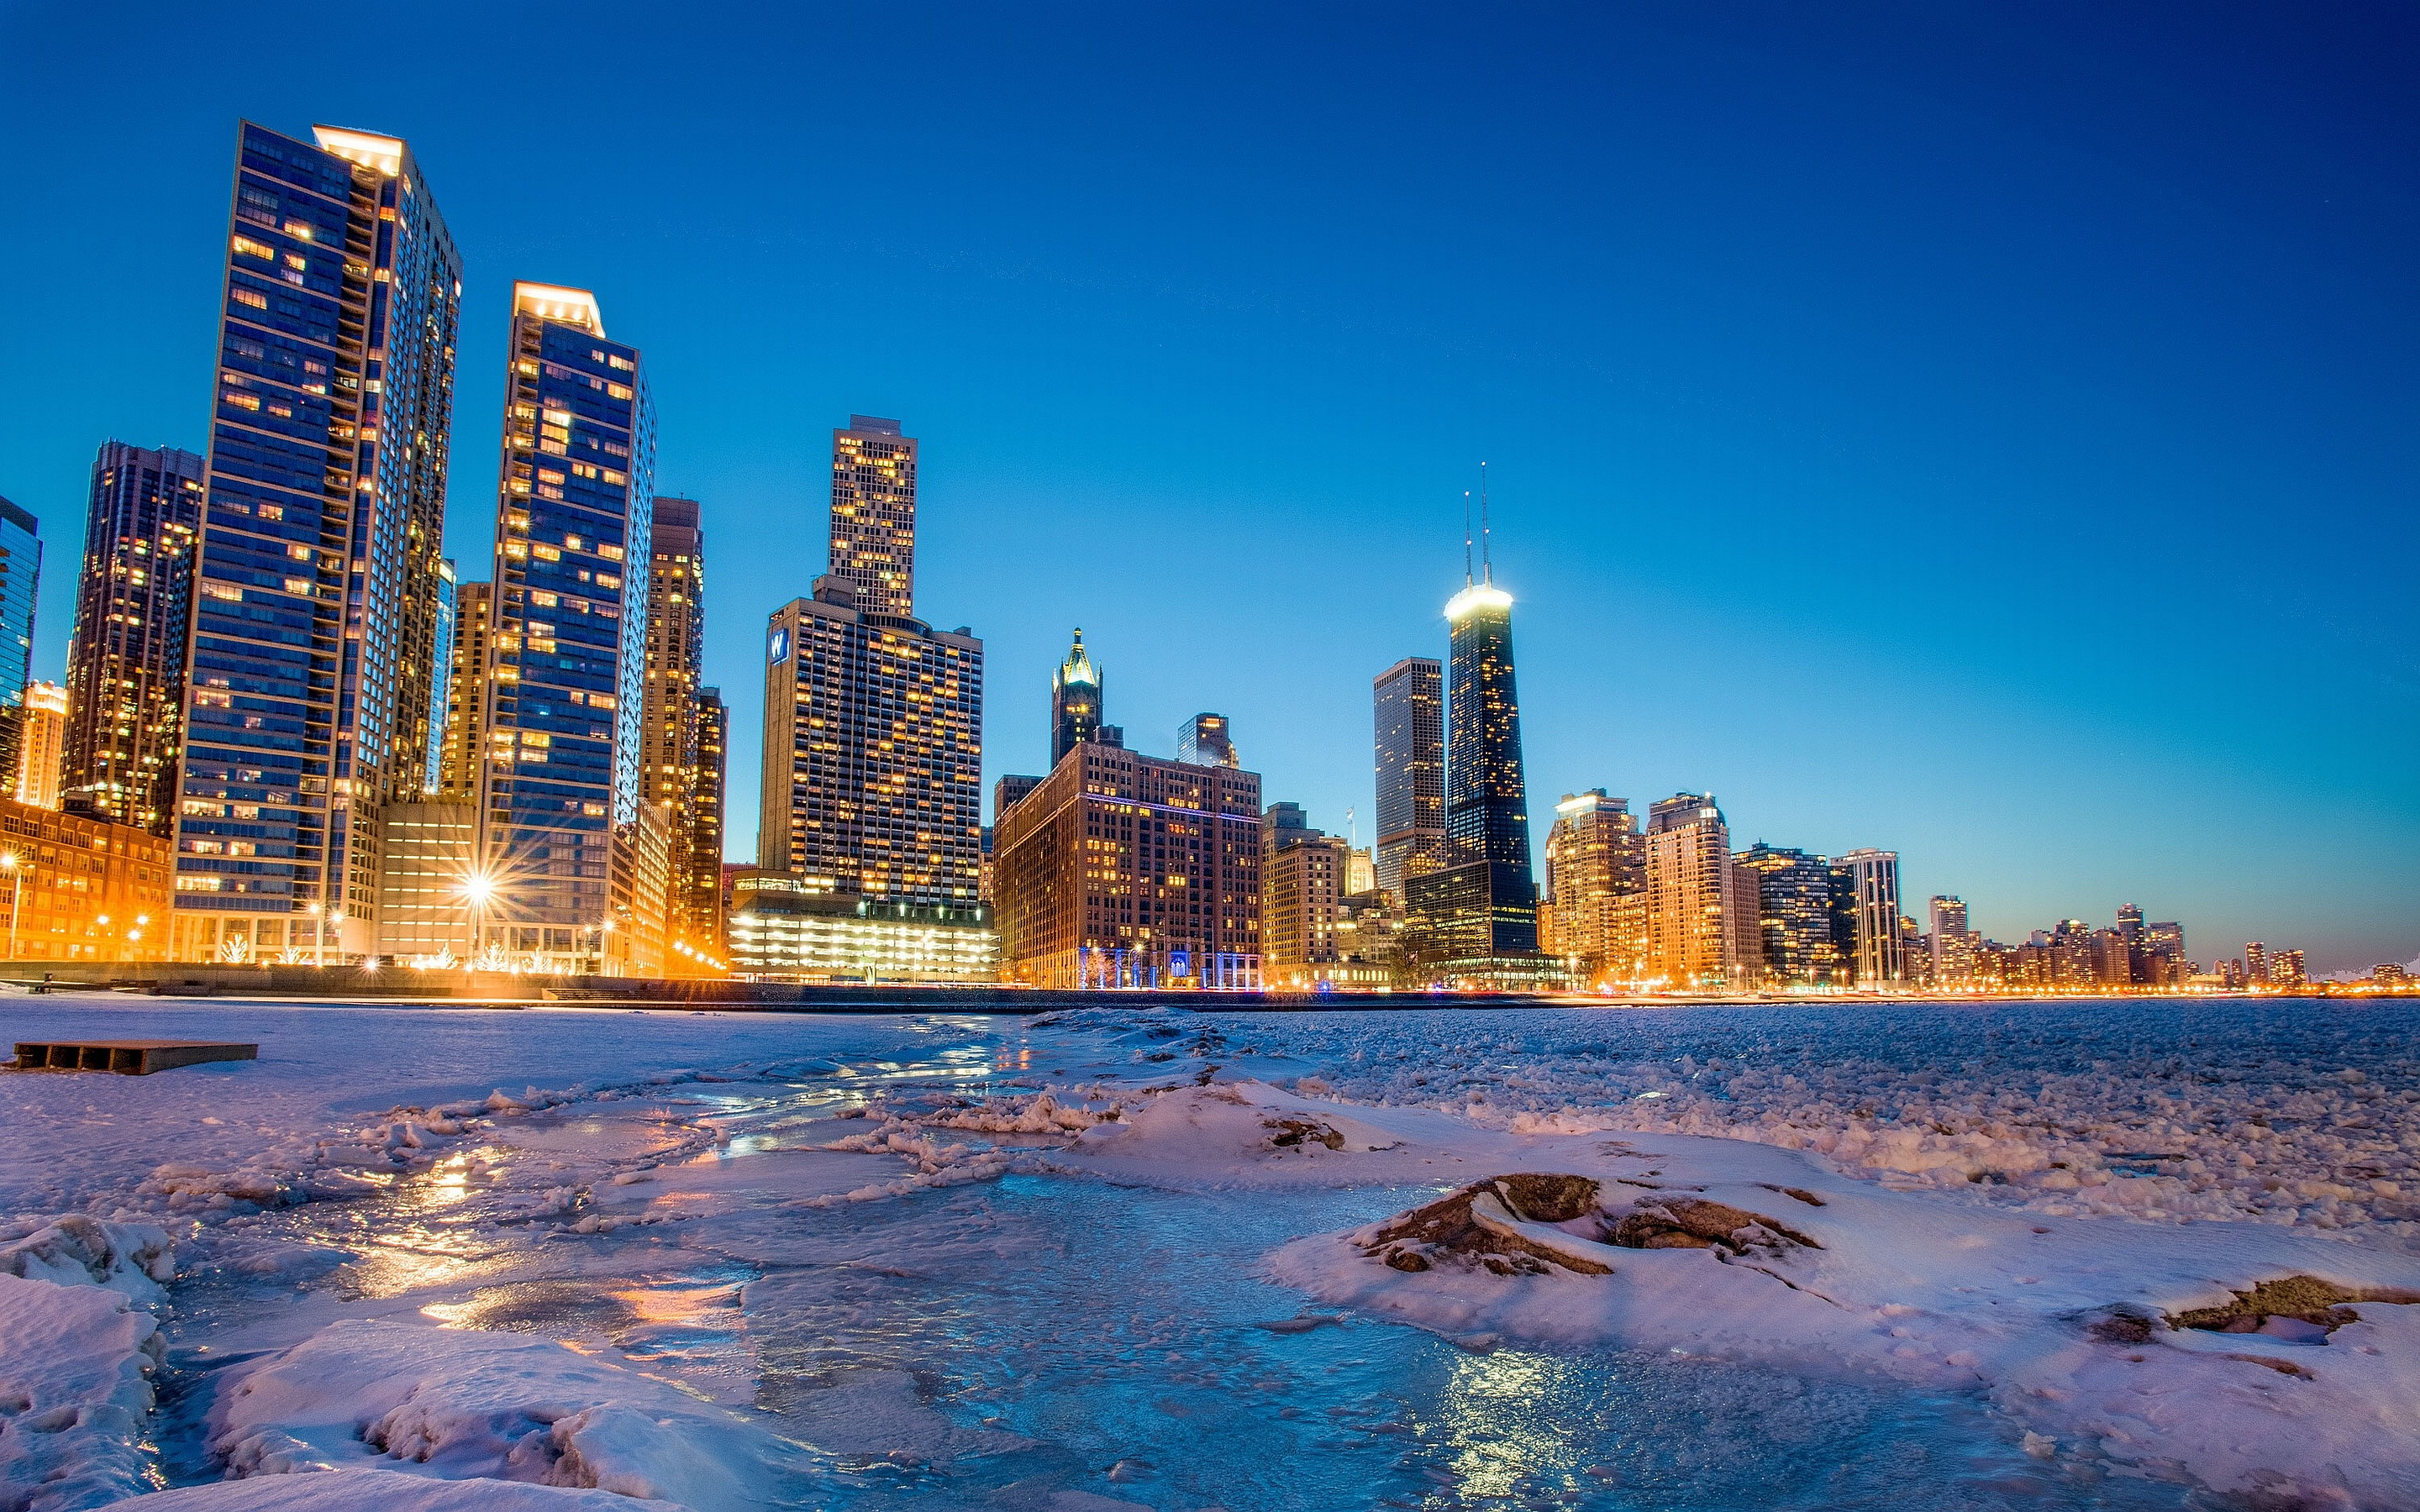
(1483, 906)
(873, 760)
(1702, 919)
(1124, 869)
(21, 583)
(670, 742)
(466, 682)
(42, 735)
(1206, 740)
(1408, 703)
(1873, 878)
(2286, 970)
(1075, 703)
(441, 686)
(1596, 880)
(2256, 963)
(126, 660)
(1302, 892)
(314, 586)
(1953, 946)
(1793, 908)
(566, 646)
(702, 889)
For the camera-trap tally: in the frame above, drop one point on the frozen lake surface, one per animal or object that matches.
(986, 1300)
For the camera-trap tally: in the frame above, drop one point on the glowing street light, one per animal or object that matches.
(477, 889)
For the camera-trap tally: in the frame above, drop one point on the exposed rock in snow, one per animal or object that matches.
(75, 1368)
(506, 1406)
(383, 1490)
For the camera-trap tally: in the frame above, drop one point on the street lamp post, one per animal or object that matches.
(476, 888)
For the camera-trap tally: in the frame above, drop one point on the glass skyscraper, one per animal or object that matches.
(1408, 715)
(441, 661)
(21, 580)
(566, 647)
(126, 661)
(314, 626)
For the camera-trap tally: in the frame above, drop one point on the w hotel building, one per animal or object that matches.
(873, 765)
(316, 571)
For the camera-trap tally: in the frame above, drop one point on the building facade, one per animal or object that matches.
(1703, 929)
(81, 889)
(1076, 702)
(466, 684)
(315, 581)
(1302, 894)
(567, 641)
(1207, 740)
(440, 687)
(1873, 882)
(702, 897)
(780, 931)
(1120, 870)
(428, 913)
(20, 584)
(126, 659)
(1477, 920)
(41, 738)
(1408, 707)
(1793, 908)
(872, 778)
(672, 738)
(1596, 886)
(1953, 945)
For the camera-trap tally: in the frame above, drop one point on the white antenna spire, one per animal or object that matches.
(1485, 563)
(1467, 579)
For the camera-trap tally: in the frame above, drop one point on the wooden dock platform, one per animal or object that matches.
(128, 1057)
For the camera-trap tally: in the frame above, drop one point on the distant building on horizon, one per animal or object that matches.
(1409, 706)
(126, 656)
(308, 691)
(1793, 908)
(871, 768)
(1953, 946)
(1207, 740)
(1874, 880)
(672, 724)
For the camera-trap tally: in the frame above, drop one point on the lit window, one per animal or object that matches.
(251, 296)
(253, 249)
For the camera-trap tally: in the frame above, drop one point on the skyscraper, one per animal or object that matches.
(1793, 900)
(669, 725)
(126, 661)
(873, 759)
(41, 734)
(1483, 906)
(1596, 876)
(1409, 705)
(567, 638)
(1953, 948)
(314, 597)
(1075, 703)
(873, 515)
(1873, 878)
(1206, 740)
(21, 583)
(701, 900)
(466, 684)
(1703, 916)
(440, 684)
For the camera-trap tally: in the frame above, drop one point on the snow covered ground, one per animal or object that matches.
(440, 1259)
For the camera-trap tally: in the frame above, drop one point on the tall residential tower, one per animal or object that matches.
(126, 662)
(1408, 708)
(567, 643)
(314, 587)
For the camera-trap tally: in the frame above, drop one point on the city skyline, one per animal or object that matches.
(1915, 744)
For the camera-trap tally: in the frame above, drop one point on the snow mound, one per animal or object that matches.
(1249, 1120)
(76, 1251)
(75, 1368)
(361, 1490)
(464, 1404)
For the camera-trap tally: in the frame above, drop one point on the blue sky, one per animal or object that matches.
(1987, 432)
